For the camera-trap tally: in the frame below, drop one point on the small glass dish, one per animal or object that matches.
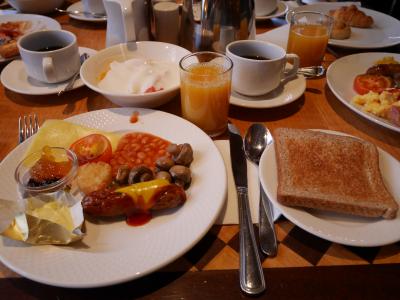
(55, 167)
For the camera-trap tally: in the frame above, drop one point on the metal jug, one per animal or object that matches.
(127, 21)
(212, 24)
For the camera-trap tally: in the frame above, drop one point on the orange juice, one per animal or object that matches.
(309, 42)
(205, 92)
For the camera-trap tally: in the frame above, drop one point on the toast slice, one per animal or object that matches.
(331, 172)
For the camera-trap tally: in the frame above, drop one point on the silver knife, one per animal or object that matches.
(251, 273)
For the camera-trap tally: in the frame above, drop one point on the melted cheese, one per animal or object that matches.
(58, 133)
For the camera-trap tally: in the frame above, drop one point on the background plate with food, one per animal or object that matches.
(14, 26)
(335, 227)
(112, 251)
(341, 76)
(384, 31)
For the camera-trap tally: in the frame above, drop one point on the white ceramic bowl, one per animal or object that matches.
(97, 64)
(35, 6)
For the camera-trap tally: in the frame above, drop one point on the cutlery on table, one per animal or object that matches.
(256, 139)
(311, 72)
(71, 82)
(250, 271)
(27, 126)
(82, 13)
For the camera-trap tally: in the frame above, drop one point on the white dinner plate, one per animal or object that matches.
(37, 23)
(79, 7)
(340, 76)
(115, 252)
(280, 11)
(384, 32)
(14, 78)
(284, 94)
(342, 229)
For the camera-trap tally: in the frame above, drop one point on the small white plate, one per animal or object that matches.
(340, 77)
(14, 78)
(114, 252)
(79, 6)
(338, 228)
(284, 94)
(384, 32)
(280, 11)
(37, 23)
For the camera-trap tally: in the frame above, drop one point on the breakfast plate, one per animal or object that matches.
(79, 7)
(284, 94)
(37, 22)
(340, 76)
(338, 228)
(14, 78)
(383, 33)
(280, 11)
(114, 252)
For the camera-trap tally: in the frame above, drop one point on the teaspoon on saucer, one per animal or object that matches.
(311, 72)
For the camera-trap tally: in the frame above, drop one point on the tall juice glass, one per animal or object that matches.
(308, 36)
(205, 90)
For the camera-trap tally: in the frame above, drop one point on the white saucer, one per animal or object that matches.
(279, 12)
(14, 78)
(79, 6)
(282, 95)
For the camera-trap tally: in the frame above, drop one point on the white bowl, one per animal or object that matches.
(99, 63)
(35, 6)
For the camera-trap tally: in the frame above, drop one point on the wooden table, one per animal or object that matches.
(305, 267)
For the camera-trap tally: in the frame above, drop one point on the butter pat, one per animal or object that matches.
(138, 76)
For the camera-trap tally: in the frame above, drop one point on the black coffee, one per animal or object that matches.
(255, 57)
(49, 48)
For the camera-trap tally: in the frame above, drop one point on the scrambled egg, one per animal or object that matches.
(378, 104)
(386, 60)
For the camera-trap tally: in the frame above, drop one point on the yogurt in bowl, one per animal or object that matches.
(141, 74)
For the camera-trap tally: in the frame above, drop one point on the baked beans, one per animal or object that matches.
(138, 148)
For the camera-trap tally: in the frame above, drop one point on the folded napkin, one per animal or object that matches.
(229, 213)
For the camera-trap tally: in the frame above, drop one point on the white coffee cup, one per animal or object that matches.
(259, 67)
(50, 55)
(94, 6)
(265, 7)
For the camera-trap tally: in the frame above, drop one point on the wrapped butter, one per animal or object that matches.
(48, 211)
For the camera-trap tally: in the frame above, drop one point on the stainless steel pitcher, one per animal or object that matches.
(212, 24)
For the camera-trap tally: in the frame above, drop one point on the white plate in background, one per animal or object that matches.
(340, 77)
(384, 32)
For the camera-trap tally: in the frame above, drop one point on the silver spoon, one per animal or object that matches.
(312, 72)
(82, 13)
(256, 139)
(71, 82)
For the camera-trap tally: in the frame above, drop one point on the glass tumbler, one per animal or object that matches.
(308, 36)
(205, 90)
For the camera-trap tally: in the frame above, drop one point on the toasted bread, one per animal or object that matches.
(331, 172)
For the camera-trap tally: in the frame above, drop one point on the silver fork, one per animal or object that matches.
(27, 126)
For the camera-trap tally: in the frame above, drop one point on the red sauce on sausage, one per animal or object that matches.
(139, 218)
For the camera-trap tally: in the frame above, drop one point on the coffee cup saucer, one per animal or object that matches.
(286, 93)
(79, 7)
(280, 11)
(14, 78)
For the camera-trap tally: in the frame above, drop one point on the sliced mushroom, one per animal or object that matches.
(140, 174)
(163, 175)
(181, 175)
(181, 154)
(122, 174)
(164, 163)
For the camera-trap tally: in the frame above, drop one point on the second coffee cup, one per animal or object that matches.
(259, 67)
(50, 56)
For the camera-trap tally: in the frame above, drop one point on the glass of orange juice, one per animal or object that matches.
(205, 90)
(308, 36)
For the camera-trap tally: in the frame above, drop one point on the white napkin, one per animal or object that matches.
(229, 213)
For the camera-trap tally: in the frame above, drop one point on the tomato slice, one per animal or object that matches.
(376, 83)
(92, 148)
